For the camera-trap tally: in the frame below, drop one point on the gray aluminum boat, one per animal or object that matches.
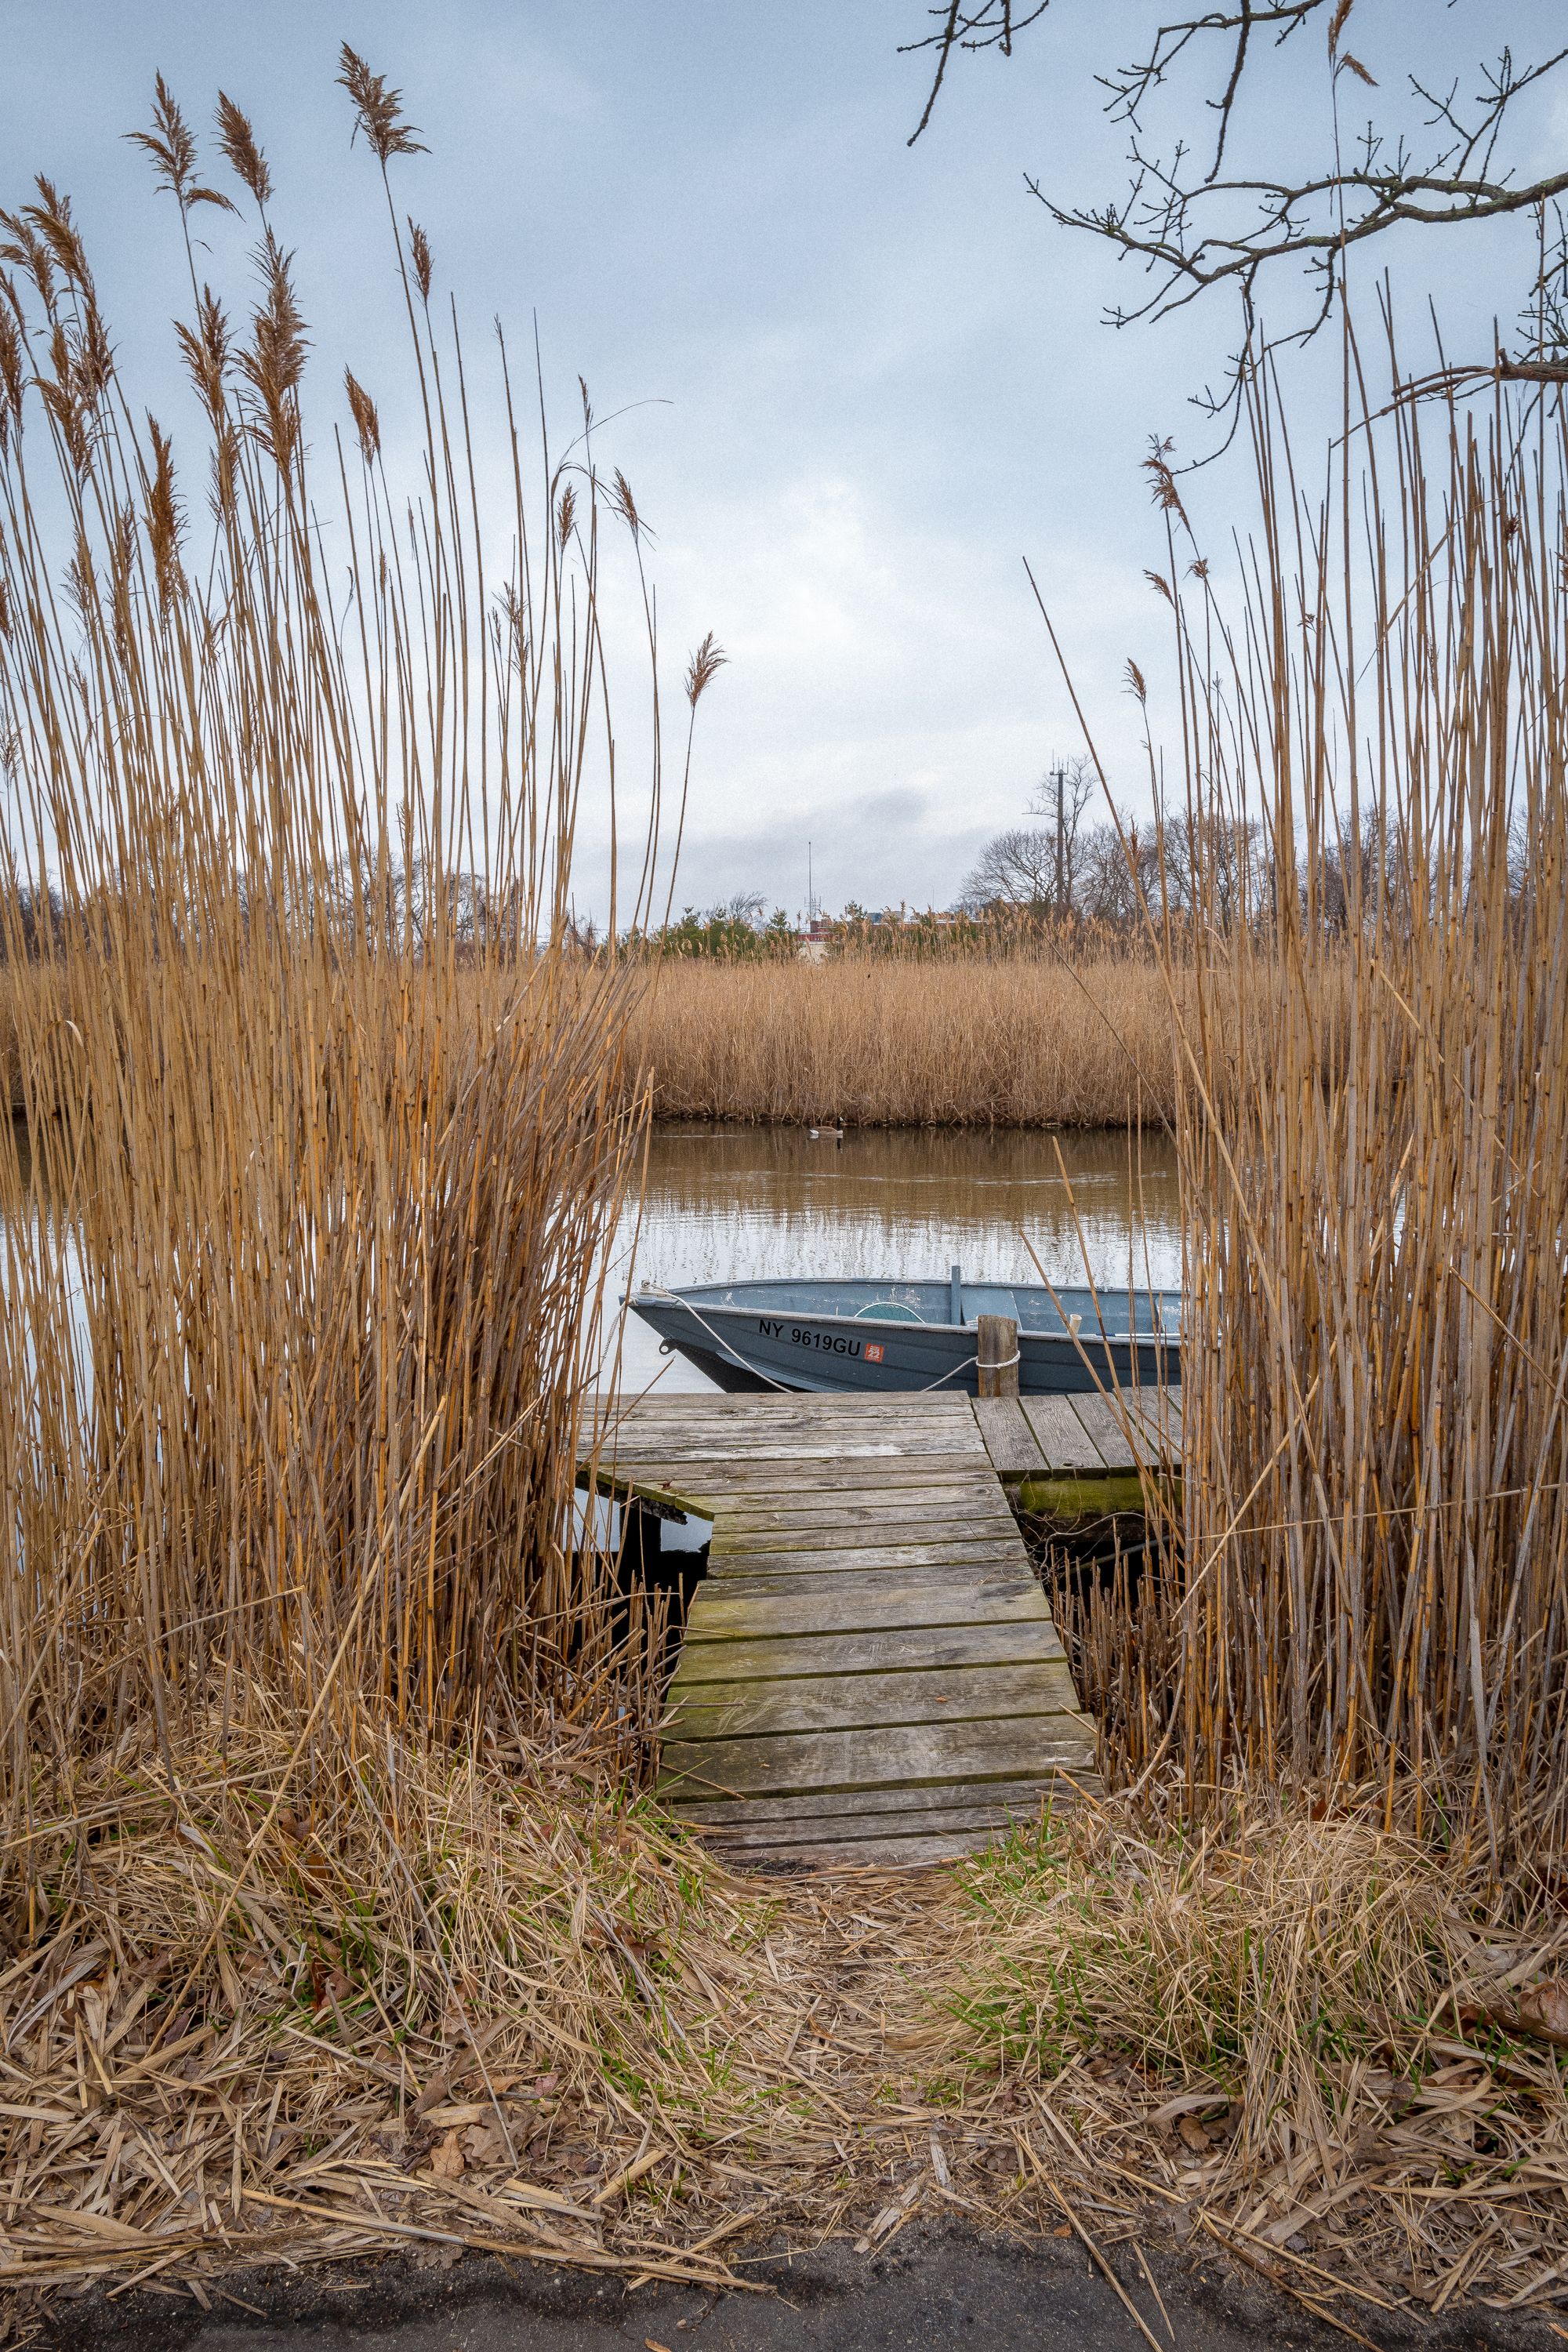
(870, 1337)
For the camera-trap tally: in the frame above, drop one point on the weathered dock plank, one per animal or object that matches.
(737, 1608)
(933, 1755)
(905, 1826)
(869, 1672)
(1009, 1441)
(1060, 1434)
(948, 1525)
(832, 1700)
(918, 1646)
(1109, 1429)
(930, 1498)
(945, 1556)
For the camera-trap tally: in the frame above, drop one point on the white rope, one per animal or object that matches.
(658, 1290)
(946, 1376)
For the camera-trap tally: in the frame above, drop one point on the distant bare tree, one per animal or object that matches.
(1016, 869)
(30, 921)
(1118, 872)
(749, 906)
(1036, 865)
(1362, 883)
(1208, 867)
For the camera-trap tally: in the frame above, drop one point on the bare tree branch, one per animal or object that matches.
(991, 26)
(1193, 231)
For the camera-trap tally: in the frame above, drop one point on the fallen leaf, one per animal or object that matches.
(485, 2144)
(447, 2163)
(1190, 2102)
(1541, 2012)
(1544, 2010)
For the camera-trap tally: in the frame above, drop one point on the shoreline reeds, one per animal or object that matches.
(891, 1042)
(333, 1916)
(1369, 1585)
(327, 1126)
(1020, 1042)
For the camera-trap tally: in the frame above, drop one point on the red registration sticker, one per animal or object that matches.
(873, 1353)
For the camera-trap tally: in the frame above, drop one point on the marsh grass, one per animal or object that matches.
(1370, 1564)
(485, 1996)
(1074, 1038)
(324, 1124)
(910, 1042)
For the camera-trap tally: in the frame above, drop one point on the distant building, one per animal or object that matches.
(826, 933)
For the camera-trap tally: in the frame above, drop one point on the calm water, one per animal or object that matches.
(724, 1203)
(728, 1203)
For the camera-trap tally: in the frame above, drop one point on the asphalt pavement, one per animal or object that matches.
(935, 2288)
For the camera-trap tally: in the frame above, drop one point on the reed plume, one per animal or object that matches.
(1373, 1592)
(322, 1124)
(238, 143)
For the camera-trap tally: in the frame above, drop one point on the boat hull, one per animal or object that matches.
(745, 1350)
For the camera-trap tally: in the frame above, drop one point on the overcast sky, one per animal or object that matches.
(875, 378)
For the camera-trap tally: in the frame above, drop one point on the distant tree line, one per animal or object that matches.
(737, 930)
(1120, 872)
(396, 907)
(1103, 882)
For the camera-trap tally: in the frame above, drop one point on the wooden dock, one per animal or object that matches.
(869, 1673)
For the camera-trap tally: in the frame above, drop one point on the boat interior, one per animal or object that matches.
(956, 1303)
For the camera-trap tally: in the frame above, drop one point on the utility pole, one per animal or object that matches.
(810, 893)
(1059, 780)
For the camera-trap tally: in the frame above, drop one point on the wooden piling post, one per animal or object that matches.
(997, 1352)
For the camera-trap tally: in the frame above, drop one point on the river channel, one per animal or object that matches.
(728, 1203)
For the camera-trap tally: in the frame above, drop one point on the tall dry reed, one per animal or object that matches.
(302, 1284)
(893, 1043)
(1375, 1515)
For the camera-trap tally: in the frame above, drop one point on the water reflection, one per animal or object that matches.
(723, 1204)
(726, 1202)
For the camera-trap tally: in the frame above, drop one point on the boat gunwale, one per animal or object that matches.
(1100, 1336)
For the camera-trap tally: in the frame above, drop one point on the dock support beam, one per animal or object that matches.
(997, 1355)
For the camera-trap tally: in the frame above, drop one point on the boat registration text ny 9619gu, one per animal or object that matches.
(801, 1336)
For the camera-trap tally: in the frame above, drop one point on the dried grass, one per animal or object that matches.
(1370, 1576)
(1015, 1042)
(325, 1123)
(1021, 1041)
(491, 1999)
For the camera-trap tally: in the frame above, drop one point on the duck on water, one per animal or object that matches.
(887, 1335)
